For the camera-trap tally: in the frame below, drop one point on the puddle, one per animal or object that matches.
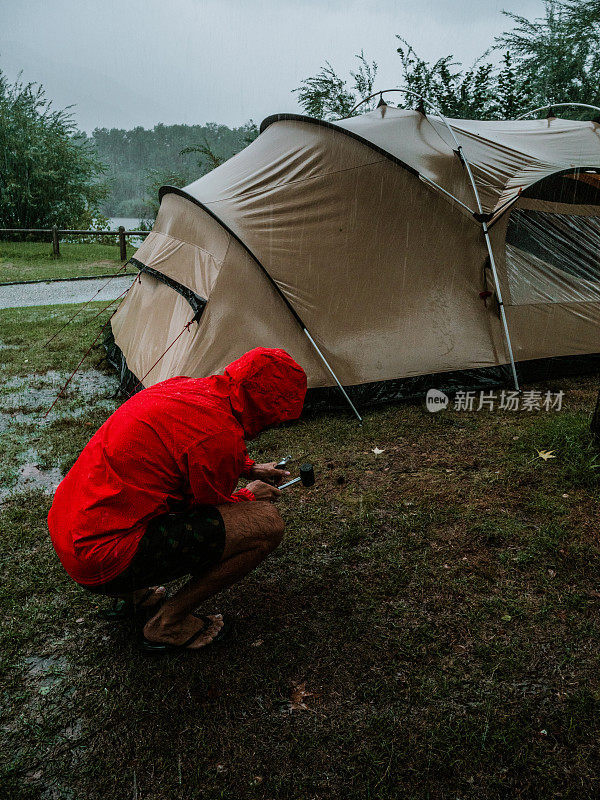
(30, 476)
(25, 400)
(38, 392)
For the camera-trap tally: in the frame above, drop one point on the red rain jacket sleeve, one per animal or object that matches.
(214, 467)
(248, 464)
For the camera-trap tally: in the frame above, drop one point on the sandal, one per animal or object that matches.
(148, 646)
(127, 609)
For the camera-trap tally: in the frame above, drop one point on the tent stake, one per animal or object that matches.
(333, 375)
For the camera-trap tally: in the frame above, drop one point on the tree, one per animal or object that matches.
(513, 93)
(156, 179)
(209, 159)
(480, 92)
(559, 53)
(326, 95)
(49, 175)
(213, 152)
(137, 157)
(455, 92)
(544, 61)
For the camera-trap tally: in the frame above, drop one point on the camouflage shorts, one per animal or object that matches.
(174, 545)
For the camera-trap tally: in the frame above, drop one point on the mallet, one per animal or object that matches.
(307, 477)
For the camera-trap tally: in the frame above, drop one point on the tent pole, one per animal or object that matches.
(501, 305)
(556, 105)
(465, 162)
(272, 281)
(488, 243)
(435, 185)
(333, 375)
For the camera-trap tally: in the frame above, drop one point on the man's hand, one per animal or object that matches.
(268, 473)
(264, 491)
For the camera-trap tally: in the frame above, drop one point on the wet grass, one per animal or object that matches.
(28, 261)
(439, 602)
(37, 358)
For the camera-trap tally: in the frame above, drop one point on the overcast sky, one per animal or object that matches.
(138, 62)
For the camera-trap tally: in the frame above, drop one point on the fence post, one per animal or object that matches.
(55, 245)
(122, 244)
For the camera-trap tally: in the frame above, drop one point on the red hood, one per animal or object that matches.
(266, 387)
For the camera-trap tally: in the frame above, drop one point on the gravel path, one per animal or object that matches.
(49, 294)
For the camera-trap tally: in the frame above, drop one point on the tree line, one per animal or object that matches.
(137, 162)
(50, 173)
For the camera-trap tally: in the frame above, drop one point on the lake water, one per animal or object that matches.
(130, 224)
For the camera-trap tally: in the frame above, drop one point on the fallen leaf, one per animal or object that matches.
(257, 643)
(297, 697)
(545, 454)
(507, 618)
(377, 451)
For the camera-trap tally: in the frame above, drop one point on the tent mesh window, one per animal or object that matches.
(553, 253)
(552, 258)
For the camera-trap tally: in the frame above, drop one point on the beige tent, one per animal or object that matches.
(362, 248)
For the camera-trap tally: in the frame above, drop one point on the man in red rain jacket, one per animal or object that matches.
(151, 497)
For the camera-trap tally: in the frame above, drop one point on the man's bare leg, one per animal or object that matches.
(252, 530)
(138, 598)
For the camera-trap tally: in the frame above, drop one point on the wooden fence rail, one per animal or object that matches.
(56, 233)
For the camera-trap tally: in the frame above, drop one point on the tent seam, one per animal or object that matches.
(257, 192)
(182, 193)
(191, 244)
(268, 121)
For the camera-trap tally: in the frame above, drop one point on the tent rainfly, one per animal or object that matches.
(387, 253)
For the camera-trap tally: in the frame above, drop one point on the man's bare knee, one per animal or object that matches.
(258, 524)
(273, 526)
